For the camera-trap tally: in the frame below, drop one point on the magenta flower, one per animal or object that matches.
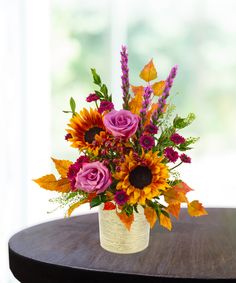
(177, 139)
(74, 169)
(151, 129)
(92, 97)
(171, 154)
(147, 142)
(121, 123)
(105, 105)
(184, 158)
(121, 197)
(93, 177)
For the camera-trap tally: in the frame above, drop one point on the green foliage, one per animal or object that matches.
(98, 200)
(166, 120)
(72, 105)
(128, 209)
(96, 77)
(180, 123)
(103, 91)
(185, 146)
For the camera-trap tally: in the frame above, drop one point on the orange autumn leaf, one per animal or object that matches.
(174, 209)
(74, 206)
(172, 196)
(182, 187)
(62, 166)
(150, 112)
(158, 88)
(127, 220)
(91, 196)
(49, 182)
(109, 205)
(195, 208)
(151, 215)
(135, 104)
(63, 185)
(165, 222)
(149, 72)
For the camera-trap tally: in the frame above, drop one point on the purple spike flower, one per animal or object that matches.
(125, 76)
(146, 101)
(162, 99)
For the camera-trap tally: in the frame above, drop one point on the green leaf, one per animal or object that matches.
(96, 77)
(165, 213)
(72, 105)
(128, 209)
(65, 111)
(180, 123)
(104, 90)
(95, 201)
(98, 93)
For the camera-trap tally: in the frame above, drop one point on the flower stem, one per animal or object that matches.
(176, 166)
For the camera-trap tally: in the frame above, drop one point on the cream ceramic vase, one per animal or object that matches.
(114, 236)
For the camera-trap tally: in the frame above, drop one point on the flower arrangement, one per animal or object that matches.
(127, 158)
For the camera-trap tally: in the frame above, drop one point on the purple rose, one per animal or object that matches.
(93, 177)
(121, 123)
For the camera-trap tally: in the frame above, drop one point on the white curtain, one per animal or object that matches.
(24, 115)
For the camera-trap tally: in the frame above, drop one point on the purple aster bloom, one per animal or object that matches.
(121, 197)
(177, 139)
(147, 142)
(165, 94)
(171, 154)
(184, 158)
(105, 105)
(92, 97)
(74, 169)
(125, 76)
(151, 129)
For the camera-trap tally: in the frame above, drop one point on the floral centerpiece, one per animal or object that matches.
(126, 159)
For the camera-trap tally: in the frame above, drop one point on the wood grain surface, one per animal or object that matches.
(68, 250)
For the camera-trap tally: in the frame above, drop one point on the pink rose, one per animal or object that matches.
(121, 123)
(93, 177)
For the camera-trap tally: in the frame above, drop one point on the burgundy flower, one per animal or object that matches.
(121, 197)
(147, 142)
(68, 136)
(151, 129)
(184, 158)
(177, 139)
(105, 106)
(171, 154)
(92, 97)
(74, 169)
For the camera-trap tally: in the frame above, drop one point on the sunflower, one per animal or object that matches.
(142, 177)
(85, 130)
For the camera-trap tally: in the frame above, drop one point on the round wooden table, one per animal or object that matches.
(68, 250)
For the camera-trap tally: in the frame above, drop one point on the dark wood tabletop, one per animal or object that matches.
(67, 250)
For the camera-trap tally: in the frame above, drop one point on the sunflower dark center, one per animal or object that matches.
(140, 177)
(91, 133)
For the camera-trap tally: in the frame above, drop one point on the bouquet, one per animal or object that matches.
(127, 158)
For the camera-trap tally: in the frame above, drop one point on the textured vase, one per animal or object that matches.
(114, 236)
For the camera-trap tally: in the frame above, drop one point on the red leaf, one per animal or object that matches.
(109, 206)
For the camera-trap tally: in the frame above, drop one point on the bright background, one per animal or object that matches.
(46, 51)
